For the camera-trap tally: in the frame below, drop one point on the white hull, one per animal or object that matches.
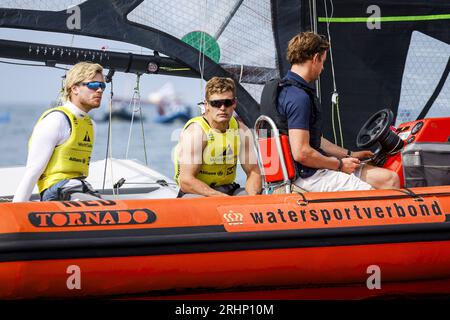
(141, 182)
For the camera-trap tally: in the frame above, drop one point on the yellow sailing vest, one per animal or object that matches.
(70, 159)
(219, 156)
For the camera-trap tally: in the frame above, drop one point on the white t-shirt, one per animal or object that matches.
(50, 132)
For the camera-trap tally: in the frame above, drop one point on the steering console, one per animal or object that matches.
(376, 131)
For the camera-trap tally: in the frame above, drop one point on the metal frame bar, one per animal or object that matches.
(276, 134)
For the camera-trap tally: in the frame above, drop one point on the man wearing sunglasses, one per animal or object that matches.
(210, 146)
(61, 143)
(322, 165)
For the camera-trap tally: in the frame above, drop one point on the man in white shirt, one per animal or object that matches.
(61, 144)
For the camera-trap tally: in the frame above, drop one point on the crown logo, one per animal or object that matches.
(233, 218)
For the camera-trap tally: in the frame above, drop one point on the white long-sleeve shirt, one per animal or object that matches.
(53, 130)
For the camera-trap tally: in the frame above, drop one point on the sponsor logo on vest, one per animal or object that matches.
(208, 173)
(91, 218)
(210, 136)
(227, 159)
(227, 152)
(87, 138)
(77, 160)
(85, 144)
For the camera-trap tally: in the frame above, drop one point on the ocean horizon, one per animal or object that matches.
(160, 139)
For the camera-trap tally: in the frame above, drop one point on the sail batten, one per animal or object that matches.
(384, 19)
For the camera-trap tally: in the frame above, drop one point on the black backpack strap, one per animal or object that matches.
(299, 85)
(269, 103)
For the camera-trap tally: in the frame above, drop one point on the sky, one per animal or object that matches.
(40, 85)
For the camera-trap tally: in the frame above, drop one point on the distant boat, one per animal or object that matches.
(169, 106)
(122, 111)
(183, 114)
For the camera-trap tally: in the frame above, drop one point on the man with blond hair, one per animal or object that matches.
(61, 144)
(322, 165)
(210, 146)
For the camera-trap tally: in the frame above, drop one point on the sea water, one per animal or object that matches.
(160, 139)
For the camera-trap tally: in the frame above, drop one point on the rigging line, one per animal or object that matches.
(313, 25)
(335, 95)
(132, 106)
(241, 73)
(329, 39)
(59, 97)
(257, 13)
(311, 15)
(108, 138)
(141, 116)
(314, 20)
(201, 55)
(72, 41)
(333, 121)
(146, 183)
(115, 192)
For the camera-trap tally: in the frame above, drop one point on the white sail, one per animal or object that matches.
(425, 63)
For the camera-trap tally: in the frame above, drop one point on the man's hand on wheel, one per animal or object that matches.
(361, 155)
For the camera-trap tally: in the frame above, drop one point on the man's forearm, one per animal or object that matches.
(332, 149)
(253, 184)
(196, 186)
(314, 159)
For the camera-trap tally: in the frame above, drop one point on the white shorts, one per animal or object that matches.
(329, 180)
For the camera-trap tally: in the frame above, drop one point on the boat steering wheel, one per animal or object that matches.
(375, 129)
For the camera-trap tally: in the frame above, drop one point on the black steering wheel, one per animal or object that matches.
(375, 129)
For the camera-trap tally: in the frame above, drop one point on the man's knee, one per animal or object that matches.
(394, 180)
(390, 181)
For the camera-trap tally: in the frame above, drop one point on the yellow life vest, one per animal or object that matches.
(219, 156)
(70, 159)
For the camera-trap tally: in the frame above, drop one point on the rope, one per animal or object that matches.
(135, 106)
(142, 117)
(241, 73)
(335, 96)
(201, 55)
(72, 40)
(130, 106)
(59, 97)
(109, 142)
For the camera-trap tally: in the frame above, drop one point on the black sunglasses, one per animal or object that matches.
(94, 85)
(218, 103)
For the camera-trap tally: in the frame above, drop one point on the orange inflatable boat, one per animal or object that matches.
(339, 245)
(314, 245)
